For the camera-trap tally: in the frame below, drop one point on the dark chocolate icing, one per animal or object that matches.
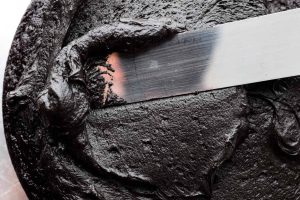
(70, 140)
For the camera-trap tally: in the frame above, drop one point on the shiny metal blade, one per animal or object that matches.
(232, 54)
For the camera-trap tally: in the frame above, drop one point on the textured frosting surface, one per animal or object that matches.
(70, 141)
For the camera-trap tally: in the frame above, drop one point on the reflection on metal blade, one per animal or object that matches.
(237, 53)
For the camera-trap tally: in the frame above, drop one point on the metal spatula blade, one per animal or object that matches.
(247, 51)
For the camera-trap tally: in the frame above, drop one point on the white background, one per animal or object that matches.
(11, 12)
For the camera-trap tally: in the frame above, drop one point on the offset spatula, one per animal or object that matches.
(248, 51)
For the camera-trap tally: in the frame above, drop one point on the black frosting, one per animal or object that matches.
(69, 138)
